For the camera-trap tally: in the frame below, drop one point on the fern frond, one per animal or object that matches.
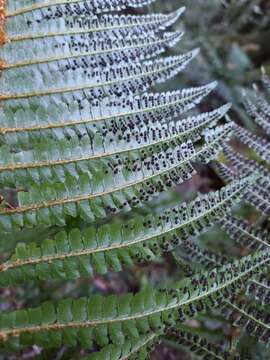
(201, 256)
(146, 136)
(69, 7)
(200, 346)
(135, 77)
(113, 25)
(115, 318)
(254, 321)
(81, 52)
(110, 246)
(259, 111)
(242, 164)
(252, 314)
(133, 349)
(244, 233)
(80, 140)
(225, 173)
(258, 195)
(259, 289)
(91, 194)
(81, 117)
(259, 145)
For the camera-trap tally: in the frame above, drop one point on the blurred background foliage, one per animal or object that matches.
(234, 39)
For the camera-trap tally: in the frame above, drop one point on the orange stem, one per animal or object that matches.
(3, 38)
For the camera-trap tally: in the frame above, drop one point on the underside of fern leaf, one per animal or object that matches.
(97, 249)
(87, 138)
(250, 312)
(80, 88)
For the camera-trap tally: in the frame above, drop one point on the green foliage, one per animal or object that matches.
(87, 142)
(114, 318)
(199, 346)
(97, 249)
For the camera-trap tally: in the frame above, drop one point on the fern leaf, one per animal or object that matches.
(70, 7)
(46, 155)
(258, 195)
(116, 318)
(259, 111)
(81, 52)
(244, 233)
(80, 140)
(133, 78)
(201, 256)
(84, 115)
(113, 25)
(259, 145)
(110, 246)
(90, 194)
(259, 289)
(243, 165)
(225, 173)
(133, 349)
(200, 346)
(253, 320)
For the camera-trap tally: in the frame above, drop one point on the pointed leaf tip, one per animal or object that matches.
(196, 51)
(213, 85)
(179, 11)
(225, 108)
